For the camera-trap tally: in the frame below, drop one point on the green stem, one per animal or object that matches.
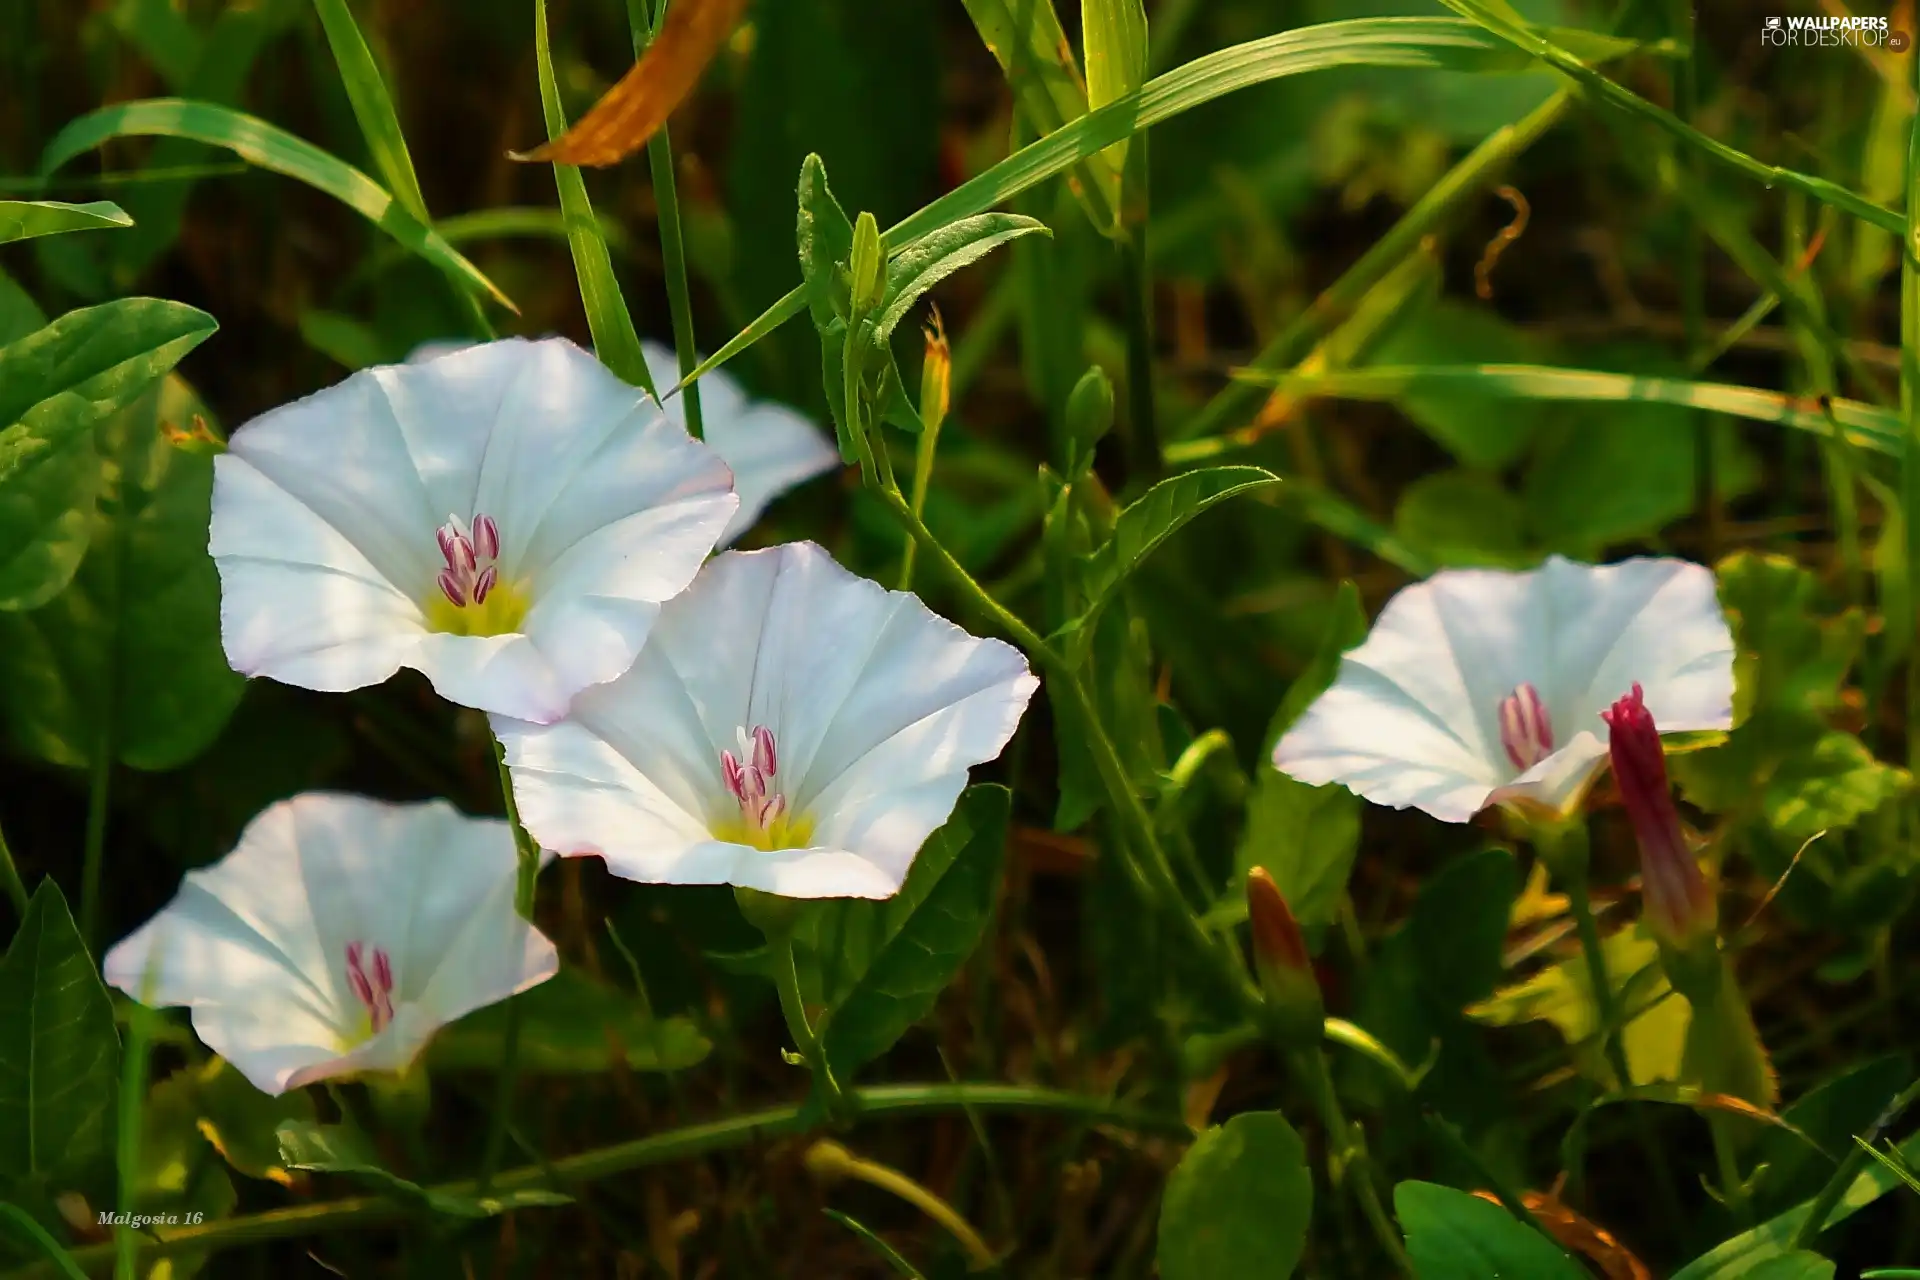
(96, 842)
(133, 1092)
(1146, 862)
(604, 1162)
(923, 453)
(1143, 431)
(527, 856)
(673, 260)
(1693, 284)
(786, 980)
(1347, 1154)
(1733, 1187)
(16, 888)
(1605, 1008)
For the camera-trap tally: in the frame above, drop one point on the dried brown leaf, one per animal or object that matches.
(630, 112)
(1582, 1235)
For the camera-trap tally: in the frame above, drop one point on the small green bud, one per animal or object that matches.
(1089, 413)
(936, 376)
(868, 264)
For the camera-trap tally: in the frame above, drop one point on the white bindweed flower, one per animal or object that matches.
(504, 518)
(1481, 687)
(790, 727)
(337, 937)
(770, 447)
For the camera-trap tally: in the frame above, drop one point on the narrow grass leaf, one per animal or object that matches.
(928, 261)
(615, 340)
(372, 104)
(269, 147)
(1864, 424)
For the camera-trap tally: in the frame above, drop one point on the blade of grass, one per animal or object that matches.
(1864, 425)
(269, 147)
(380, 126)
(1910, 414)
(666, 201)
(1436, 43)
(615, 340)
(1598, 86)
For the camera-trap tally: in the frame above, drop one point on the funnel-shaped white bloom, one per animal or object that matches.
(505, 518)
(770, 447)
(789, 727)
(337, 937)
(1480, 687)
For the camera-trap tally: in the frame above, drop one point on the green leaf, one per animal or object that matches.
(615, 340)
(1827, 784)
(59, 1054)
(329, 1148)
(126, 662)
(1306, 837)
(931, 259)
(1829, 1115)
(55, 385)
(269, 147)
(1740, 1257)
(1459, 926)
(881, 1249)
(1657, 1017)
(240, 1121)
(25, 219)
(1464, 518)
(1156, 516)
(1798, 1265)
(1115, 35)
(570, 1025)
(372, 104)
(882, 964)
(1239, 1203)
(1455, 1236)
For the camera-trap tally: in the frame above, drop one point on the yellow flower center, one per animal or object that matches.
(781, 833)
(501, 613)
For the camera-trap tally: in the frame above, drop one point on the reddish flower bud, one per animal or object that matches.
(1680, 905)
(1280, 954)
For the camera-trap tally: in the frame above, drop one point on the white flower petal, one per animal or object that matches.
(325, 513)
(879, 708)
(1413, 716)
(770, 447)
(256, 944)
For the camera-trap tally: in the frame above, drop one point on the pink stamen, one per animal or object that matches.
(1526, 731)
(749, 778)
(470, 555)
(374, 990)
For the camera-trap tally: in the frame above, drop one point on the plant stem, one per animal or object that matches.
(673, 261)
(1145, 860)
(1143, 431)
(133, 1092)
(655, 1149)
(793, 1007)
(96, 842)
(1733, 1187)
(923, 452)
(1580, 901)
(1347, 1153)
(527, 856)
(16, 888)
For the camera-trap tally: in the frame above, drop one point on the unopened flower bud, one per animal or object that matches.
(1089, 414)
(1280, 954)
(936, 376)
(867, 265)
(1681, 911)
